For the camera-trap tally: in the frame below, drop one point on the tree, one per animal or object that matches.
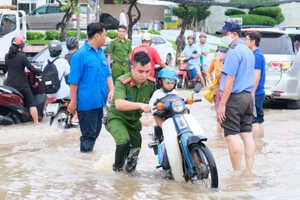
(131, 23)
(71, 7)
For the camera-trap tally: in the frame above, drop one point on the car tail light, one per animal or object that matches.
(74, 18)
(285, 65)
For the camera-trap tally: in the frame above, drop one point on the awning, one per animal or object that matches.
(157, 2)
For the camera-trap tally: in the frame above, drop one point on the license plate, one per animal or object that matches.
(181, 123)
(52, 108)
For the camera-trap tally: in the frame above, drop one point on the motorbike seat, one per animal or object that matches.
(13, 90)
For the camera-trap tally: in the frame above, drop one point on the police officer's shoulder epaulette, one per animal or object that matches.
(128, 39)
(233, 46)
(152, 79)
(126, 80)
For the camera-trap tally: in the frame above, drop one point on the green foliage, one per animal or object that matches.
(230, 12)
(52, 35)
(70, 4)
(266, 11)
(180, 13)
(38, 42)
(273, 12)
(173, 44)
(34, 35)
(111, 34)
(71, 34)
(256, 20)
(83, 35)
(154, 32)
(202, 12)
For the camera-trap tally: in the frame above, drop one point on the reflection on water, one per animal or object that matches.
(42, 162)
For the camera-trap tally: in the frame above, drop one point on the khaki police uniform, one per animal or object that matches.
(120, 50)
(125, 126)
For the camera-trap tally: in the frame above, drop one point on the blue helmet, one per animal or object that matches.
(167, 73)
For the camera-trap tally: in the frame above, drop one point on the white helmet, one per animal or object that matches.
(146, 36)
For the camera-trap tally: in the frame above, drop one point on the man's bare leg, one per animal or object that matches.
(262, 130)
(256, 130)
(201, 79)
(249, 146)
(234, 151)
(219, 128)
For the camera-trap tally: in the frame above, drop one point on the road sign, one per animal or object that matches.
(237, 20)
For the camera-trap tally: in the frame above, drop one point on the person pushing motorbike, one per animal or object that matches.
(131, 97)
(15, 63)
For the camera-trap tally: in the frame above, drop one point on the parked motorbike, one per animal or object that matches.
(187, 74)
(57, 109)
(12, 108)
(180, 143)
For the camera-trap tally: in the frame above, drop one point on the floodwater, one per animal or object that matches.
(42, 162)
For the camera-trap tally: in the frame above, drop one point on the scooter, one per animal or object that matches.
(12, 108)
(57, 109)
(180, 143)
(187, 74)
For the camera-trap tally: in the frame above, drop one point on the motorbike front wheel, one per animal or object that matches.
(205, 166)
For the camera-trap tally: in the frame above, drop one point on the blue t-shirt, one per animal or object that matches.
(188, 51)
(89, 70)
(260, 64)
(203, 58)
(239, 63)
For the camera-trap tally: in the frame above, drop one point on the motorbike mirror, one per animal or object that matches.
(197, 88)
(194, 52)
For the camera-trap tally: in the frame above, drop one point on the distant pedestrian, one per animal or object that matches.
(236, 106)
(216, 68)
(297, 44)
(136, 26)
(205, 49)
(183, 43)
(122, 18)
(91, 85)
(252, 40)
(121, 50)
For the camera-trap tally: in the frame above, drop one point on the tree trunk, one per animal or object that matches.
(131, 23)
(183, 27)
(64, 24)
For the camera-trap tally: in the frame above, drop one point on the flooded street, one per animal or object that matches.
(42, 162)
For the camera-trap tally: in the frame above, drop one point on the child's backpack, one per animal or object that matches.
(50, 79)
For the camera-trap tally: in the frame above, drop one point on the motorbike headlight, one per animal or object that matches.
(178, 106)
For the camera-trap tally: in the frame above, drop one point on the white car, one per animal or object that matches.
(162, 46)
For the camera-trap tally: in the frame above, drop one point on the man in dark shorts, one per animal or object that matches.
(236, 106)
(252, 40)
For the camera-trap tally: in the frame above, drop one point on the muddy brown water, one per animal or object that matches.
(42, 162)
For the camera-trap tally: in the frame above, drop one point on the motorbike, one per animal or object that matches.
(187, 74)
(57, 109)
(12, 108)
(180, 143)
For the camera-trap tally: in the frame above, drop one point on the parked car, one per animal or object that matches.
(39, 59)
(282, 65)
(49, 16)
(163, 47)
(109, 21)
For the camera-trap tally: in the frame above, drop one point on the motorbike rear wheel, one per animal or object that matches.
(181, 84)
(205, 166)
(61, 118)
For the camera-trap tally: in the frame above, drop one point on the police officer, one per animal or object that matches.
(121, 50)
(133, 91)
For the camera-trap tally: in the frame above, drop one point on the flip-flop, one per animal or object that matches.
(75, 123)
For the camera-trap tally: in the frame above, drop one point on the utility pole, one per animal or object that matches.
(88, 12)
(78, 20)
(97, 11)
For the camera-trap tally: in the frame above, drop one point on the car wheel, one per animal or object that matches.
(58, 27)
(293, 104)
(169, 60)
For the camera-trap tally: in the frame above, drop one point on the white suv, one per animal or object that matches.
(282, 65)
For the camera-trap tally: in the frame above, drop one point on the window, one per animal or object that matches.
(108, 18)
(8, 24)
(158, 40)
(53, 9)
(40, 11)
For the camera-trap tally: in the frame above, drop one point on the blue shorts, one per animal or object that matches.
(259, 100)
(136, 28)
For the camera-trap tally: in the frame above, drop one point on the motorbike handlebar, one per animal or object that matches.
(198, 100)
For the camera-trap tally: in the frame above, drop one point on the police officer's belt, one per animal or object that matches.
(120, 63)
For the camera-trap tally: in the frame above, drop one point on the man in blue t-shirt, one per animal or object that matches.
(89, 80)
(252, 40)
(205, 49)
(236, 106)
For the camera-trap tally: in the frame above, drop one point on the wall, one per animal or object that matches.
(5, 2)
(148, 12)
